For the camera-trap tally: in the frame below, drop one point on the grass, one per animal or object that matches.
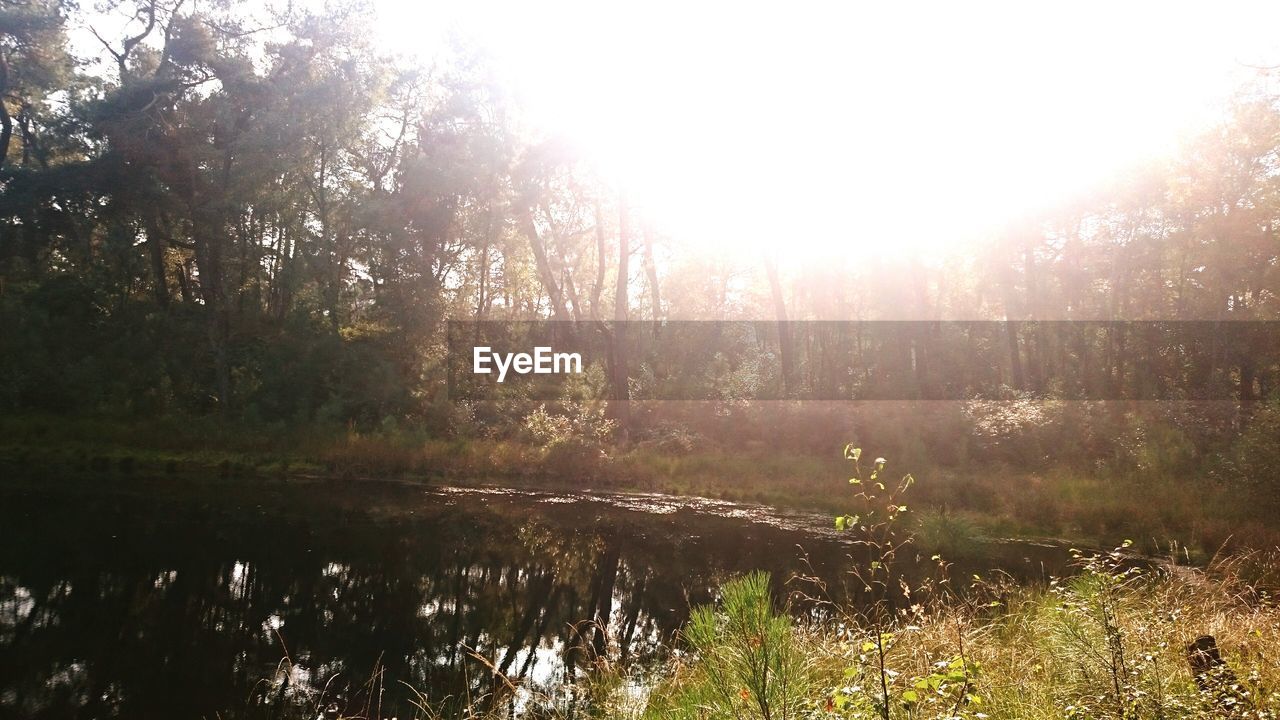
(1105, 644)
(1200, 515)
(1110, 642)
(1122, 637)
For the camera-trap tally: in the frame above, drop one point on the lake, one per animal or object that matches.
(153, 598)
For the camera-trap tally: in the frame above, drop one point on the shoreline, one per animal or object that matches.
(952, 504)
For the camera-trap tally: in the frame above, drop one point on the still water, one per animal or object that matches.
(159, 599)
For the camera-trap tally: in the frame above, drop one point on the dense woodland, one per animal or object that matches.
(218, 211)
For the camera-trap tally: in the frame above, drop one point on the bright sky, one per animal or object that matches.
(846, 126)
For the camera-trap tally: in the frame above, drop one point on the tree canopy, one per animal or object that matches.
(263, 215)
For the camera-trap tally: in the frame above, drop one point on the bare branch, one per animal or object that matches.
(119, 58)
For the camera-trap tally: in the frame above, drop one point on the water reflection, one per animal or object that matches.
(245, 600)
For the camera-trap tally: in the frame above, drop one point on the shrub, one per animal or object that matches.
(749, 663)
(573, 423)
(944, 532)
(672, 439)
(573, 440)
(1257, 452)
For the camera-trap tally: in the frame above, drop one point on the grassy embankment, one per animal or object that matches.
(1105, 644)
(1199, 515)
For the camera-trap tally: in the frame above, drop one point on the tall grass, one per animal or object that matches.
(989, 499)
(1110, 642)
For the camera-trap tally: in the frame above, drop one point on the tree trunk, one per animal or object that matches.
(620, 392)
(184, 283)
(155, 252)
(598, 286)
(785, 349)
(1214, 677)
(545, 273)
(1015, 358)
(572, 301)
(209, 262)
(6, 122)
(651, 273)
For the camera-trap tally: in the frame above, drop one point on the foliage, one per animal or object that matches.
(872, 687)
(747, 661)
(947, 533)
(272, 226)
(572, 439)
(1112, 639)
(1105, 642)
(573, 423)
(1257, 454)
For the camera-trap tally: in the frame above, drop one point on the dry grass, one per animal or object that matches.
(1049, 653)
(1088, 507)
(1109, 643)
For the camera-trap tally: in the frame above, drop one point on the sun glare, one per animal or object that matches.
(745, 123)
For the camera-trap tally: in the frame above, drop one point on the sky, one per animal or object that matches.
(853, 126)
(857, 125)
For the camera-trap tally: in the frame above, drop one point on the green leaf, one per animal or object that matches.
(852, 453)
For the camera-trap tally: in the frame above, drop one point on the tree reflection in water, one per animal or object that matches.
(248, 600)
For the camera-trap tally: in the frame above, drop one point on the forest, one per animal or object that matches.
(250, 245)
(261, 227)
